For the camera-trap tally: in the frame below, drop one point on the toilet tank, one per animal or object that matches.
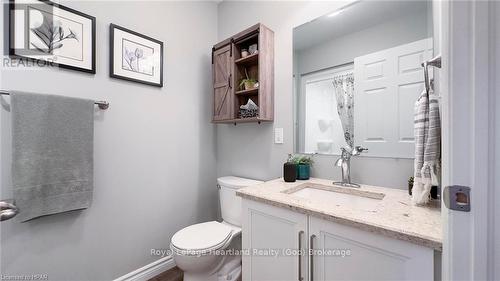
(230, 204)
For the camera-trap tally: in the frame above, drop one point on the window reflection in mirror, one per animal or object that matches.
(357, 75)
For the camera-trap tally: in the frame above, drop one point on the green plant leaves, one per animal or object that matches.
(302, 160)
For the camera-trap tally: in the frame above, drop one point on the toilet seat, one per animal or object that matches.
(201, 238)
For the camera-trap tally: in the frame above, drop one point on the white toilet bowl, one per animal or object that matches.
(208, 251)
(199, 250)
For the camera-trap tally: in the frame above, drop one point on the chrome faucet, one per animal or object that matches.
(344, 162)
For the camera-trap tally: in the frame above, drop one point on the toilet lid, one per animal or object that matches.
(201, 236)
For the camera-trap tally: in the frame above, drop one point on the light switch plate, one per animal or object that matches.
(278, 135)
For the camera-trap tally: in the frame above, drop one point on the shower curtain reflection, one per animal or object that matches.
(325, 111)
(344, 93)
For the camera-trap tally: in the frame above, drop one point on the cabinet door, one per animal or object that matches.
(345, 253)
(223, 89)
(270, 228)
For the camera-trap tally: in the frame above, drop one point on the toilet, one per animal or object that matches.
(196, 249)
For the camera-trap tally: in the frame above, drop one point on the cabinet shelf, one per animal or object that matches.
(242, 120)
(248, 92)
(249, 60)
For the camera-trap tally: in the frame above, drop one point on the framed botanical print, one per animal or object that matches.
(49, 33)
(135, 57)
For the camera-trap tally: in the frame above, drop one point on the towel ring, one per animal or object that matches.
(436, 62)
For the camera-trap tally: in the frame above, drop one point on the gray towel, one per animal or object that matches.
(52, 153)
(427, 147)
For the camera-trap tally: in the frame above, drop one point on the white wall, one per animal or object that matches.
(248, 149)
(154, 149)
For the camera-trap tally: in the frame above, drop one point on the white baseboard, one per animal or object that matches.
(149, 271)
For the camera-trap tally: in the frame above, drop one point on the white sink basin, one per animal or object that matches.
(337, 196)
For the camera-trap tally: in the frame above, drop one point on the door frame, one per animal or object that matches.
(468, 138)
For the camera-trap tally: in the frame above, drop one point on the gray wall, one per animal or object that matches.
(154, 150)
(344, 49)
(248, 149)
(496, 180)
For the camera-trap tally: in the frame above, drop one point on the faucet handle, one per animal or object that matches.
(359, 148)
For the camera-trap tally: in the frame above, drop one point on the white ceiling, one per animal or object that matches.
(354, 17)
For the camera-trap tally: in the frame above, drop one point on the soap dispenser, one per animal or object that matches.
(290, 170)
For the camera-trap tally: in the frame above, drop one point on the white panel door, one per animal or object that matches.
(387, 84)
(346, 253)
(270, 228)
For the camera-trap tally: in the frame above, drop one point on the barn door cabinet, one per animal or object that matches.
(229, 68)
(330, 251)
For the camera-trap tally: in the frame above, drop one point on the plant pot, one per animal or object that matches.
(434, 192)
(249, 85)
(289, 172)
(303, 171)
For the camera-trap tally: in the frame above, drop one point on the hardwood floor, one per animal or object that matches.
(174, 274)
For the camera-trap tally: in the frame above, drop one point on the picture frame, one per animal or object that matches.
(135, 57)
(48, 33)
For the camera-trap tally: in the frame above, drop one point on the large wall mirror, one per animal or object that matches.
(357, 75)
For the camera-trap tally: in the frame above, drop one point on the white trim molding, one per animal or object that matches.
(468, 136)
(149, 271)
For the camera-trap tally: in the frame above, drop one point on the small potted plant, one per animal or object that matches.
(248, 83)
(304, 164)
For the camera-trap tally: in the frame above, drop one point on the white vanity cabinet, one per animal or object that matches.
(345, 253)
(270, 228)
(333, 251)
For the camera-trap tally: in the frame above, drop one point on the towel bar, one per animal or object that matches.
(102, 104)
(8, 210)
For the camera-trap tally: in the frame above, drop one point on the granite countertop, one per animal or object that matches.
(393, 216)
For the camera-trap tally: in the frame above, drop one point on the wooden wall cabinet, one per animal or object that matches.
(229, 68)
